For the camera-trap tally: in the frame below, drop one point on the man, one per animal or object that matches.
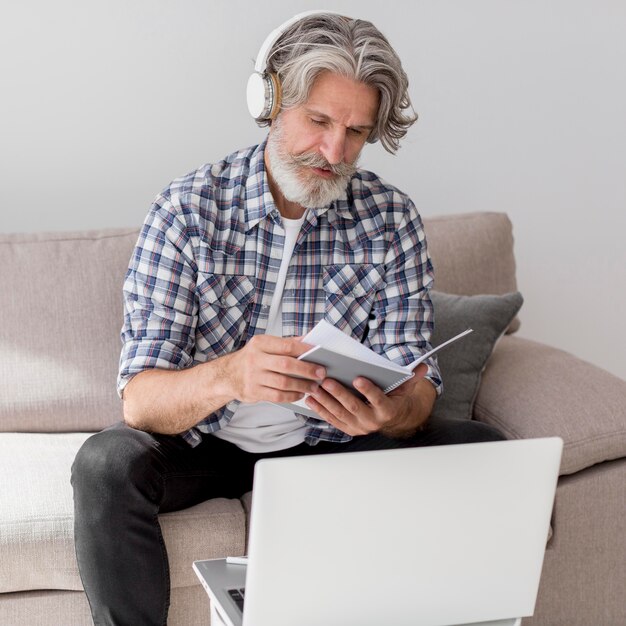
(235, 262)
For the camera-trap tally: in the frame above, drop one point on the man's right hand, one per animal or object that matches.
(267, 368)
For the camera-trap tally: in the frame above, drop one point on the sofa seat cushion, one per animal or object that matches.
(36, 518)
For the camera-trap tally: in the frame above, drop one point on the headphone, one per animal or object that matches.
(263, 92)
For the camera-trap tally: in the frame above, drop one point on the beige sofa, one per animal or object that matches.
(61, 312)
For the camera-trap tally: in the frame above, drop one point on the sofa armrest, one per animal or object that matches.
(529, 389)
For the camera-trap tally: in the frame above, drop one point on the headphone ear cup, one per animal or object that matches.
(277, 96)
(264, 90)
(263, 94)
(256, 95)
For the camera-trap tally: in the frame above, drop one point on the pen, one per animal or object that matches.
(237, 560)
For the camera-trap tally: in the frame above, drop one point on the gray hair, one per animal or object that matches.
(352, 48)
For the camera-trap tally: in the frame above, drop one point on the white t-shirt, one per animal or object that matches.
(261, 426)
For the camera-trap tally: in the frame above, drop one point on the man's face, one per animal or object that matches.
(313, 148)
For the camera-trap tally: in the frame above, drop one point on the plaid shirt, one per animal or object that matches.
(201, 278)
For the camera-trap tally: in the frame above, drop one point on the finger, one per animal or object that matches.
(421, 370)
(289, 346)
(343, 409)
(366, 418)
(320, 408)
(269, 394)
(284, 382)
(294, 346)
(325, 404)
(295, 368)
(344, 401)
(373, 394)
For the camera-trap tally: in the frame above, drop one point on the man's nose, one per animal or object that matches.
(334, 145)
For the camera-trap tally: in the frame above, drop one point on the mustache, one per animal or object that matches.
(312, 159)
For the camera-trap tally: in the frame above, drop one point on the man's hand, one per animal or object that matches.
(267, 368)
(397, 414)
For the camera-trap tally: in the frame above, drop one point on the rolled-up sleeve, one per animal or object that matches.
(160, 304)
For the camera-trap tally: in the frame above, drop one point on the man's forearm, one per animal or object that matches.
(265, 369)
(173, 401)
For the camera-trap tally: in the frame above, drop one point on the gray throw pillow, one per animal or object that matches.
(463, 362)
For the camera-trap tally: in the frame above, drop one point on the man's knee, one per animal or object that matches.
(111, 459)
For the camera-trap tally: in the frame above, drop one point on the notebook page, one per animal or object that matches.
(328, 336)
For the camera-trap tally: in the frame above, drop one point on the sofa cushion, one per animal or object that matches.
(61, 303)
(529, 390)
(188, 607)
(36, 519)
(472, 253)
(462, 362)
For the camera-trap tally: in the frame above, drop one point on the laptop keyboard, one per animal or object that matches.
(237, 595)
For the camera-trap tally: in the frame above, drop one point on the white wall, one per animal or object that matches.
(522, 109)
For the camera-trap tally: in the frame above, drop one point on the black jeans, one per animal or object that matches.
(123, 478)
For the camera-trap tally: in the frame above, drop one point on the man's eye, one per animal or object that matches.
(356, 131)
(318, 122)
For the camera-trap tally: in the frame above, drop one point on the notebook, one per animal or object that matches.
(345, 358)
(436, 536)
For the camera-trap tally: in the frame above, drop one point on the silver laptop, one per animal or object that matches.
(435, 536)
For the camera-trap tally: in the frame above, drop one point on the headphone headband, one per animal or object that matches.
(266, 46)
(263, 91)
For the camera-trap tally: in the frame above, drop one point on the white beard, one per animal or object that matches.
(296, 181)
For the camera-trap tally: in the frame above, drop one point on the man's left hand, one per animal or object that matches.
(397, 414)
